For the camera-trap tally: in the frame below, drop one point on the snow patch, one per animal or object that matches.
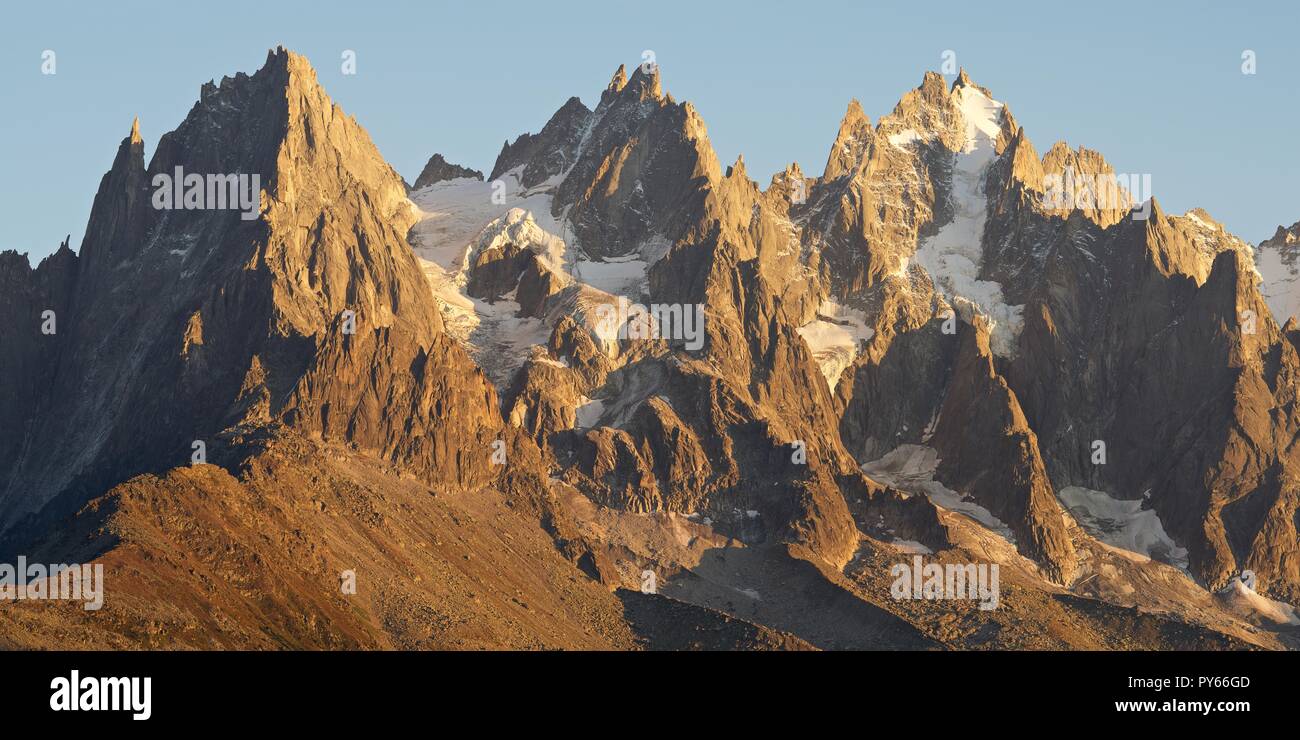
(1279, 272)
(458, 219)
(588, 413)
(910, 468)
(1243, 600)
(911, 547)
(903, 139)
(953, 256)
(1123, 524)
(625, 276)
(501, 341)
(835, 338)
(518, 227)
(1202, 223)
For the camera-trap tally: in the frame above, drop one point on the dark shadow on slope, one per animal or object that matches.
(768, 586)
(664, 623)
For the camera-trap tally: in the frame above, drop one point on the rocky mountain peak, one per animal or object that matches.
(1079, 179)
(1026, 166)
(792, 173)
(438, 169)
(120, 215)
(616, 83)
(933, 86)
(635, 168)
(541, 156)
(1283, 237)
(964, 80)
(738, 169)
(197, 318)
(130, 153)
(1278, 261)
(1203, 217)
(852, 141)
(644, 84)
(854, 115)
(789, 188)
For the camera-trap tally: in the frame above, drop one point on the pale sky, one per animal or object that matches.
(1154, 89)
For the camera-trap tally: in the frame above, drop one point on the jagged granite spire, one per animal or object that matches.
(616, 84)
(194, 319)
(851, 142)
(120, 216)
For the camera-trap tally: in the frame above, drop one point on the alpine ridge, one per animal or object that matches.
(617, 395)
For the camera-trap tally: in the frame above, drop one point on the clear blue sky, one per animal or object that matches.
(1156, 87)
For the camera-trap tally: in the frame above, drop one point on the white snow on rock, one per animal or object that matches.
(1200, 222)
(1243, 600)
(502, 340)
(519, 227)
(1123, 524)
(625, 276)
(452, 214)
(904, 138)
(1278, 283)
(459, 219)
(910, 468)
(588, 412)
(835, 338)
(953, 256)
(911, 547)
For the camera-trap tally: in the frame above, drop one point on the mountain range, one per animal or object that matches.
(616, 395)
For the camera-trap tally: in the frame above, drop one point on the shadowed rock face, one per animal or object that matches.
(25, 297)
(549, 153)
(1194, 412)
(1134, 337)
(981, 420)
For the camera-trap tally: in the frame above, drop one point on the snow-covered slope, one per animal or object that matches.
(1243, 600)
(1279, 280)
(911, 468)
(835, 338)
(954, 255)
(456, 217)
(1123, 524)
(463, 218)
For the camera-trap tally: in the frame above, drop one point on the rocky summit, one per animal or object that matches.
(950, 393)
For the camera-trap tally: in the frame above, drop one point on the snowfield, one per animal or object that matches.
(835, 338)
(953, 256)
(911, 468)
(460, 219)
(1278, 282)
(1123, 524)
(1243, 600)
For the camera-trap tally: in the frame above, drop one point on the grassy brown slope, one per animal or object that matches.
(202, 559)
